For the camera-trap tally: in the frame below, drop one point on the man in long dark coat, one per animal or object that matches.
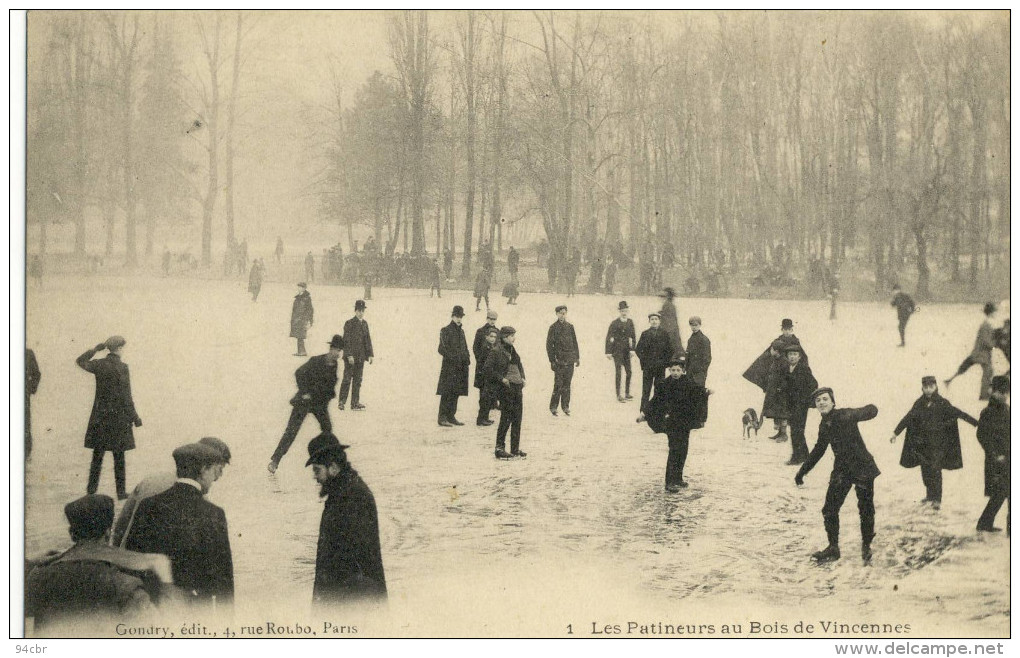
(993, 435)
(504, 372)
(620, 341)
(302, 316)
(670, 324)
(181, 524)
(674, 411)
(564, 356)
(853, 468)
(513, 260)
(113, 413)
(800, 383)
(255, 278)
(316, 382)
(653, 351)
(348, 559)
(699, 358)
(32, 377)
(487, 399)
(453, 375)
(357, 350)
(933, 438)
(905, 307)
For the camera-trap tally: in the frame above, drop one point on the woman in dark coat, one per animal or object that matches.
(302, 316)
(454, 373)
(113, 413)
(933, 438)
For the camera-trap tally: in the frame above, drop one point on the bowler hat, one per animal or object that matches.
(90, 516)
(929, 380)
(113, 342)
(668, 293)
(787, 323)
(324, 446)
(1000, 384)
(623, 306)
(360, 305)
(458, 311)
(337, 342)
(199, 454)
(217, 444)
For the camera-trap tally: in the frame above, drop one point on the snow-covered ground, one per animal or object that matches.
(579, 533)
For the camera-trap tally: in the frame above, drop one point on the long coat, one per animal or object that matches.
(255, 278)
(302, 315)
(669, 324)
(113, 411)
(800, 384)
(480, 343)
(317, 378)
(192, 532)
(699, 357)
(357, 340)
(481, 355)
(561, 343)
(676, 405)
(454, 373)
(933, 435)
(777, 400)
(757, 373)
(993, 435)
(838, 428)
(348, 560)
(497, 365)
(621, 339)
(654, 350)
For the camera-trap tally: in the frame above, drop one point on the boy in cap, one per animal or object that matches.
(302, 316)
(348, 559)
(620, 341)
(853, 468)
(564, 356)
(113, 412)
(92, 578)
(653, 351)
(699, 358)
(905, 307)
(357, 350)
(981, 354)
(504, 372)
(674, 411)
(181, 524)
(993, 435)
(799, 385)
(486, 392)
(316, 382)
(453, 374)
(933, 438)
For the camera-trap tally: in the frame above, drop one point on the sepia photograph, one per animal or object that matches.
(590, 324)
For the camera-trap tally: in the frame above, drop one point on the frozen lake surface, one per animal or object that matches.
(581, 531)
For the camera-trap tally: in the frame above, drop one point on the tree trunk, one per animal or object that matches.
(231, 113)
(209, 202)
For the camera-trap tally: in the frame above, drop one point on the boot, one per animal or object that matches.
(866, 553)
(502, 454)
(830, 554)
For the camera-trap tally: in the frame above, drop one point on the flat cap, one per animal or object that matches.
(90, 516)
(561, 307)
(113, 342)
(197, 453)
(217, 444)
(507, 330)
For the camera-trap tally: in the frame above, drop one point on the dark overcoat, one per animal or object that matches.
(192, 532)
(669, 324)
(481, 355)
(800, 384)
(302, 315)
(993, 435)
(699, 357)
(113, 411)
(479, 343)
(676, 405)
(348, 560)
(497, 365)
(777, 401)
(316, 378)
(757, 373)
(561, 343)
(454, 373)
(357, 340)
(255, 278)
(654, 350)
(933, 435)
(838, 428)
(621, 338)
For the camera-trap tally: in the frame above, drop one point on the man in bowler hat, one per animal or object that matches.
(357, 350)
(620, 341)
(348, 559)
(453, 375)
(564, 356)
(316, 382)
(302, 316)
(113, 412)
(853, 468)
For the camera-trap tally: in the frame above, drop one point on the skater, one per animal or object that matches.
(32, 378)
(310, 267)
(798, 387)
(316, 383)
(93, 579)
(157, 484)
(776, 404)
(564, 356)
(758, 372)
(255, 278)
(181, 524)
(348, 558)
(981, 354)
(113, 413)
(358, 347)
(933, 439)
(512, 290)
(448, 263)
(905, 307)
(699, 358)
(436, 275)
(513, 261)
(620, 342)
(453, 375)
(993, 435)
(279, 251)
(302, 316)
(482, 288)
(486, 393)
(854, 467)
(670, 325)
(675, 410)
(505, 374)
(610, 277)
(653, 351)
